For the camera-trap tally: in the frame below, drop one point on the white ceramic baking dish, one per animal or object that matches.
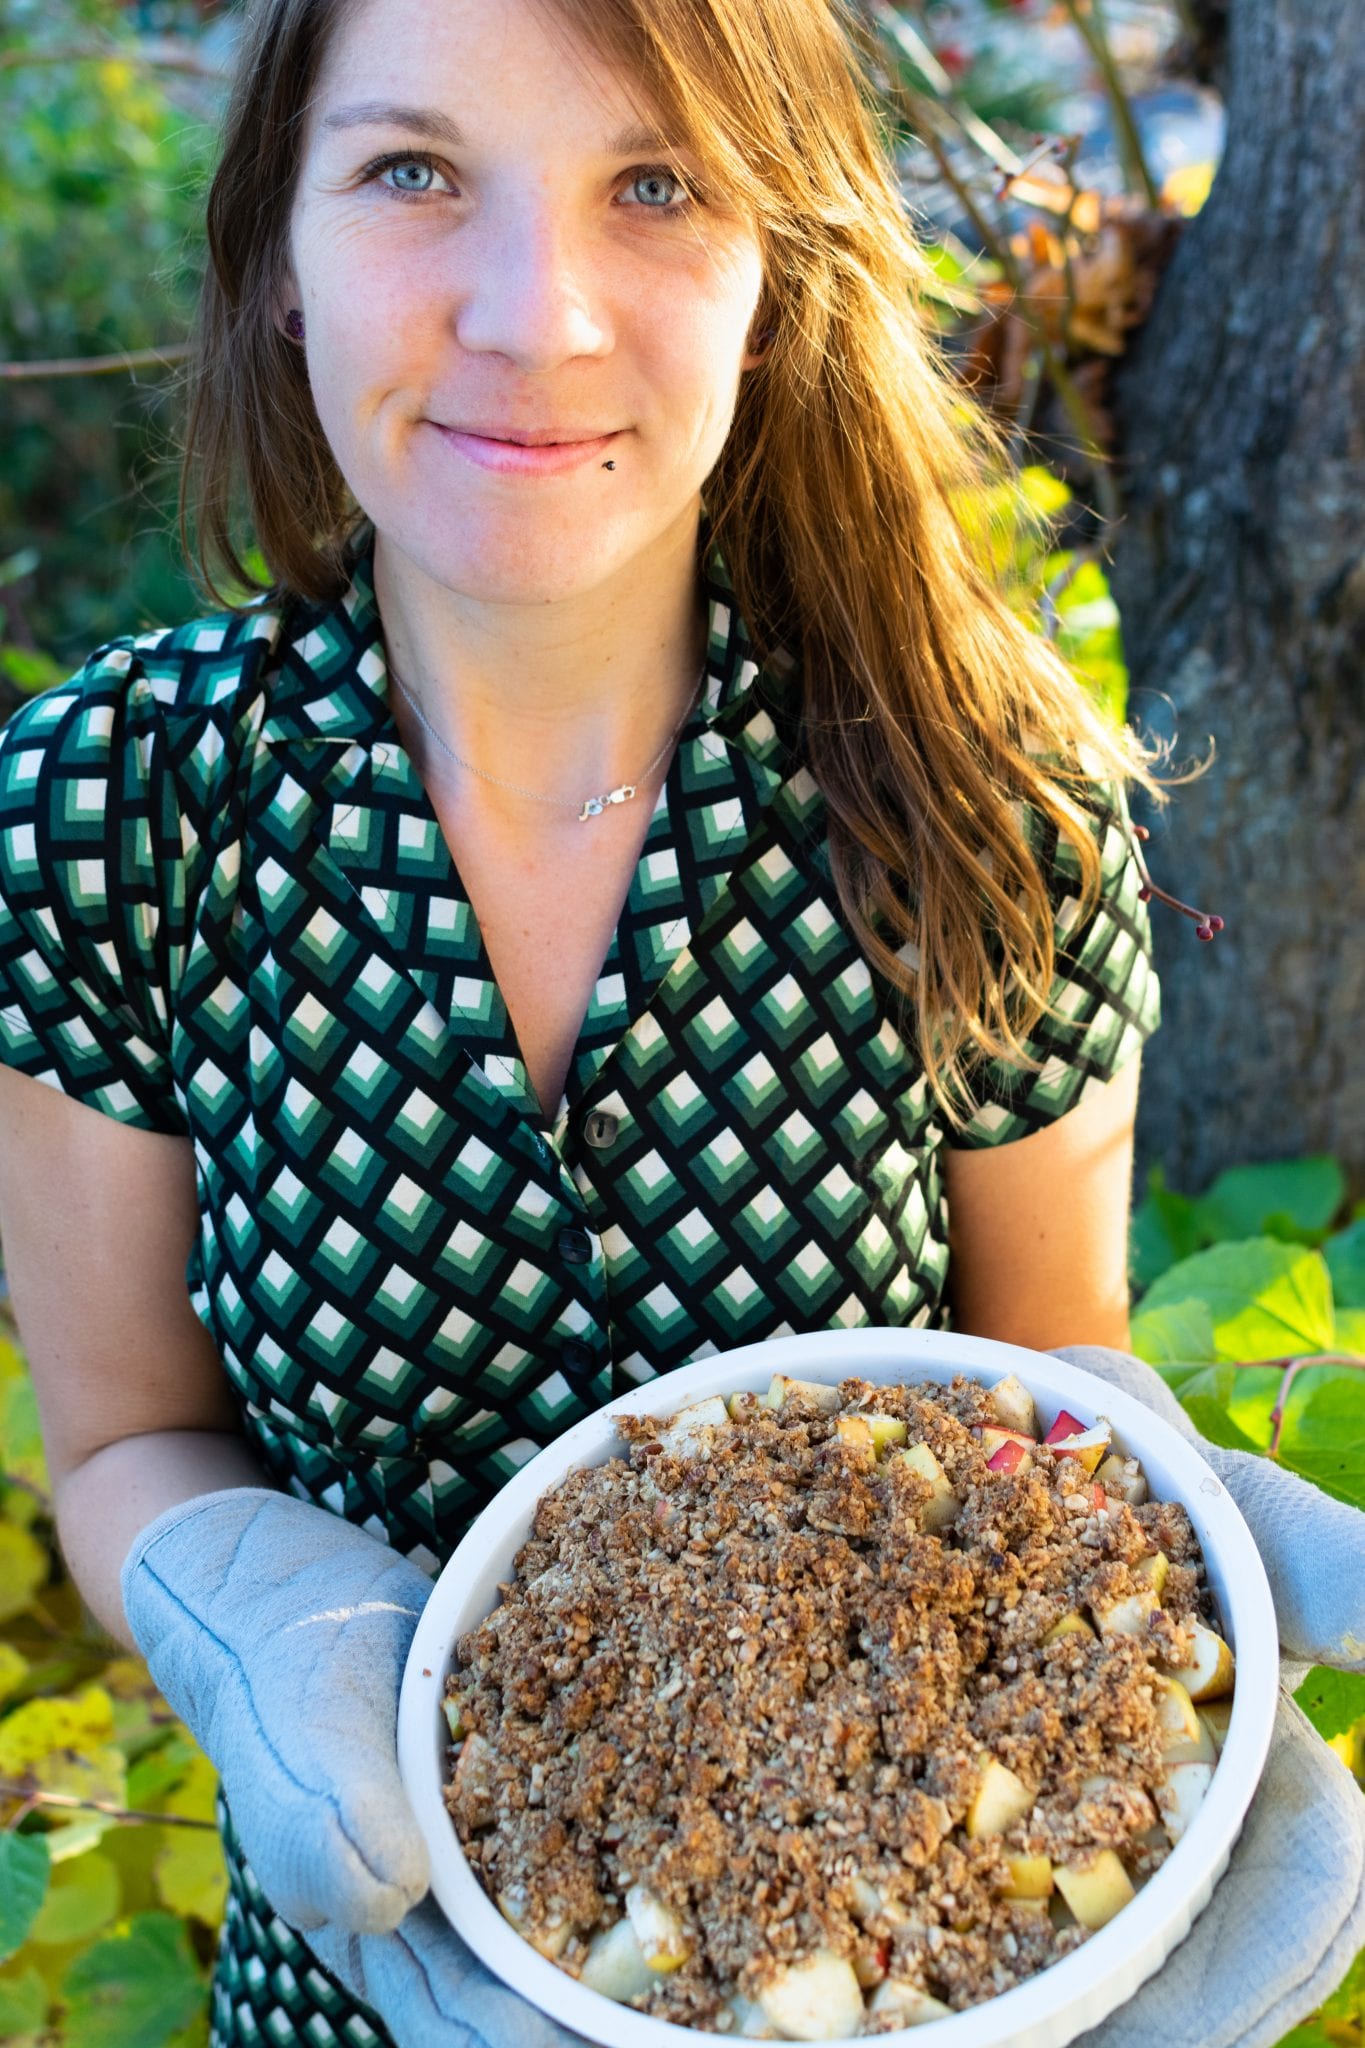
(1051, 2008)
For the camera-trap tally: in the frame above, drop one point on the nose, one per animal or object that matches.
(533, 291)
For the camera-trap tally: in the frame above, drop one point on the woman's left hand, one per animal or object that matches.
(1287, 1918)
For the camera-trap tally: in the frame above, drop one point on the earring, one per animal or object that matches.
(764, 341)
(293, 324)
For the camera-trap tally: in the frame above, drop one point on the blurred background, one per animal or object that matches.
(1144, 224)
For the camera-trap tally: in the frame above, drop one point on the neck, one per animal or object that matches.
(569, 697)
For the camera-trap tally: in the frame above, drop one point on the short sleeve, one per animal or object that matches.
(1105, 999)
(91, 876)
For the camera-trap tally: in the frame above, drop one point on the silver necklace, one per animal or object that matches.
(593, 806)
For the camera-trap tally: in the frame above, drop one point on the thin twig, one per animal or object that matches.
(1289, 1370)
(96, 366)
(163, 57)
(128, 1813)
(1091, 31)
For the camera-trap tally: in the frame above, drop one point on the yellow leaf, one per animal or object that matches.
(194, 1796)
(11, 1360)
(39, 1727)
(23, 1569)
(1187, 187)
(98, 1773)
(82, 1897)
(191, 1876)
(13, 1669)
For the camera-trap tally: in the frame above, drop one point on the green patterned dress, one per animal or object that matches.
(227, 912)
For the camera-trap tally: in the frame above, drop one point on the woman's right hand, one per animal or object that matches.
(279, 1633)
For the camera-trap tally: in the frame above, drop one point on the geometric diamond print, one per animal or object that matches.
(227, 913)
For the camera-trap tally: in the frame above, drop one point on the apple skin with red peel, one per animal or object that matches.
(1066, 1425)
(1012, 1456)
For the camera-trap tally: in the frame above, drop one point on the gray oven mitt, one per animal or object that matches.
(1287, 1919)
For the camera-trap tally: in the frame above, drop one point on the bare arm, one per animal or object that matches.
(97, 1220)
(1038, 1230)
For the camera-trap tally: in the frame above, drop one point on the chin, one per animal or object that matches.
(517, 558)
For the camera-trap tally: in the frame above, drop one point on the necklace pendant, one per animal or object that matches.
(592, 808)
(621, 795)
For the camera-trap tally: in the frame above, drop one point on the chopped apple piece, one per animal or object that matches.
(855, 1432)
(819, 1999)
(1072, 1624)
(1001, 1799)
(1114, 1476)
(1011, 1456)
(1065, 1425)
(827, 1399)
(473, 1781)
(660, 1933)
(942, 1506)
(1212, 1671)
(907, 2004)
(454, 1714)
(1128, 1616)
(738, 1404)
(615, 1964)
(1155, 1570)
(549, 1942)
(1216, 1716)
(887, 1432)
(750, 2024)
(1198, 1749)
(1175, 1712)
(1030, 1877)
(1180, 1794)
(690, 1430)
(1013, 1403)
(1087, 1446)
(1094, 1891)
(992, 1438)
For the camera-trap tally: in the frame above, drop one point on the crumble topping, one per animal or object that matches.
(742, 1675)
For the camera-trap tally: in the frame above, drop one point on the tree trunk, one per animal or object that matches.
(1240, 576)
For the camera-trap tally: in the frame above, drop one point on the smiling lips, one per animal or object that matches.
(538, 451)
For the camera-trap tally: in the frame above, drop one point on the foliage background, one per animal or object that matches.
(111, 1878)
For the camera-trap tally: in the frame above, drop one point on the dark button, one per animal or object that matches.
(575, 1246)
(578, 1358)
(600, 1129)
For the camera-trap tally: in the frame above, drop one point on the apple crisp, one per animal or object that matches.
(829, 1711)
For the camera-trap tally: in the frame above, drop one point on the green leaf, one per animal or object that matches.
(1181, 1333)
(1333, 1700)
(1324, 1434)
(1345, 1256)
(134, 1989)
(23, 1570)
(1307, 1193)
(1265, 1299)
(1164, 1230)
(82, 1898)
(23, 1883)
(1212, 1420)
(13, 1669)
(40, 1727)
(23, 2003)
(1348, 1332)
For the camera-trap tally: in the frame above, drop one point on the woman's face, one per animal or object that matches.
(490, 245)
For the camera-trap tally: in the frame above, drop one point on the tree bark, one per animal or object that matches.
(1239, 572)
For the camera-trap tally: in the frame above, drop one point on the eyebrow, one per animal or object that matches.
(438, 127)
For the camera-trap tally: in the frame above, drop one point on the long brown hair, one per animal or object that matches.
(935, 720)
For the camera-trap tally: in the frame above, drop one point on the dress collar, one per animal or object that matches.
(331, 680)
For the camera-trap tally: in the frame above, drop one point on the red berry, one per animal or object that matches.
(1144, 895)
(1141, 832)
(1203, 931)
(1216, 924)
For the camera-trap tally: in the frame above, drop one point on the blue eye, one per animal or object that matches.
(655, 188)
(411, 175)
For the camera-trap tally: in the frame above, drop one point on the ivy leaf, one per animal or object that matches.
(1345, 1256)
(1181, 1333)
(1305, 1193)
(1212, 1420)
(1349, 1332)
(1324, 1435)
(23, 1883)
(1333, 1700)
(1265, 1299)
(134, 1989)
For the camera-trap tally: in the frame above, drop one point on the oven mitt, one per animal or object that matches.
(279, 1632)
(1287, 1919)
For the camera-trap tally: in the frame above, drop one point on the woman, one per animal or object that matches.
(632, 889)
